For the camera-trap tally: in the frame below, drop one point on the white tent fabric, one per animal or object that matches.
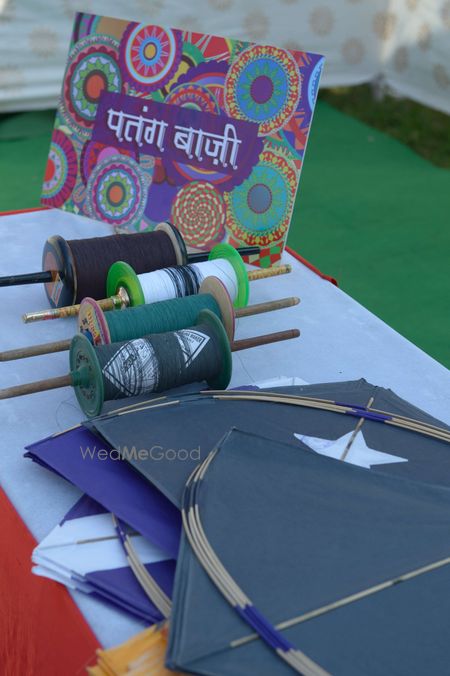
(404, 44)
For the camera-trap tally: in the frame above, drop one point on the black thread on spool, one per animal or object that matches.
(93, 257)
(160, 362)
(186, 280)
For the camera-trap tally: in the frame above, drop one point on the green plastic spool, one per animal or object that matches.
(230, 254)
(222, 380)
(87, 376)
(122, 275)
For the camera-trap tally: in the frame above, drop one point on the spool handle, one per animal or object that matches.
(203, 255)
(253, 275)
(115, 302)
(35, 350)
(259, 308)
(37, 386)
(72, 379)
(29, 278)
(265, 339)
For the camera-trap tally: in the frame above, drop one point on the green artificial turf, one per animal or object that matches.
(423, 129)
(375, 215)
(24, 144)
(370, 212)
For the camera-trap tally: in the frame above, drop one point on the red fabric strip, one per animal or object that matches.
(310, 266)
(42, 632)
(21, 211)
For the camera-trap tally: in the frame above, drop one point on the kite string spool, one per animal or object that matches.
(94, 256)
(160, 362)
(185, 280)
(159, 317)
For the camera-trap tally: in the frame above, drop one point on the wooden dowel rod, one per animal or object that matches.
(265, 339)
(35, 350)
(38, 386)
(253, 275)
(269, 306)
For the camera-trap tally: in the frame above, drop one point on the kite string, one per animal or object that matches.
(160, 317)
(160, 362)
(185, 280)
(94, 256)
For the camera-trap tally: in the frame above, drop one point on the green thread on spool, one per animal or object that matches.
(160, 317)
(154, 363)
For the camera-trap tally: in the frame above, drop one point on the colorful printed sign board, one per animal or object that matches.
(159, 124)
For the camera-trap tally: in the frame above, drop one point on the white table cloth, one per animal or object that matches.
(340, 341)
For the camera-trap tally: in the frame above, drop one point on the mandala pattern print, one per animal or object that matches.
(92, 69)
(263, 86)
(259, 210)
(198, 212)
(156, 123)
(61, 171)
(150, 55)
(117, 191)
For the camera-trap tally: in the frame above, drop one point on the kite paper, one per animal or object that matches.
(182, 434)
(298, 532)
(157, 124)
(84, 552)
(96, 468)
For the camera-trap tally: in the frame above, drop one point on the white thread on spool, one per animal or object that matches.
(159, 285)
(221, 268)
